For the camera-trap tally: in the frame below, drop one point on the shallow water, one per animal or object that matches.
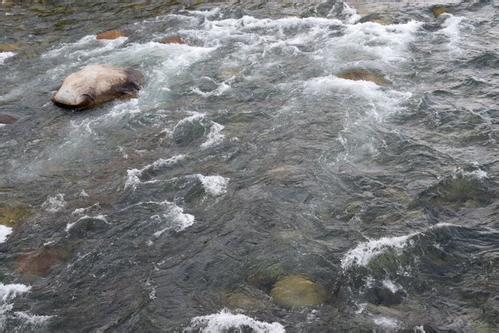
(247, 158)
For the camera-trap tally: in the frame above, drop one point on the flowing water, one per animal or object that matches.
(247, 158)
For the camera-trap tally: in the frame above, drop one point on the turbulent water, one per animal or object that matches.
(245, 159)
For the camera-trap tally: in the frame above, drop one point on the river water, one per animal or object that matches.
(246, 159)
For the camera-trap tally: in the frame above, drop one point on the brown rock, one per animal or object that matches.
(364, 75)
(8, 47)
(438, 10)
(376, 18)
(173, 40)
(110, 35)
(40, 262)
(6, 119)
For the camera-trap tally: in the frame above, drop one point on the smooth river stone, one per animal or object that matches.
(97, 84)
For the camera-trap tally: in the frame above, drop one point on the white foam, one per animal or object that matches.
(221, 88)
(214, 185)
(364, 252)
(86, 47)
(477, 173)
(10, 291)
(133, 175)
(390, 285)
(6, 55)
(453, 31)
(225, 320)
(4, 233)
(215, 136)
(81, 211)
(175, 217)
(351, 13)
(386, 322)
(55, 203)
(32, 319)
(370, 40)
(194, 116)
(383, 100)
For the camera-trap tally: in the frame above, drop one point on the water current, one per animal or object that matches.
(253, 166)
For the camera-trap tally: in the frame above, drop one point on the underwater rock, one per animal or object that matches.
(40, 262)
(110, 35)
(382, 295)
(244, 300)
(439, 10)
(87, 225)
(265, 277)
(13, 216)
(97, 84)
(6, 119)
(285, 174)
(173, 40)
(296, 291)
(364, 75)
(457, 192)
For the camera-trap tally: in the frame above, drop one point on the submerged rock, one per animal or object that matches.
(439, 10)
(296, 291)
(364, 75)
(40, 262)
(6, 119)
(86, 226)
(13, 216)
(241, 299)
(110, 35)
(456, 192)
(97, 84)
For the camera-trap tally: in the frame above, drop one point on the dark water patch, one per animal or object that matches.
(486, 59)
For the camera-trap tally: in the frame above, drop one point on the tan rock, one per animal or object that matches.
(439, 10)
(173, 40)
(97, 84)
(9, 47)
(110, 35)
(364, 75)
(297, 291)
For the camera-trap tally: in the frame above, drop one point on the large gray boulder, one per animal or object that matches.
(97, 84)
